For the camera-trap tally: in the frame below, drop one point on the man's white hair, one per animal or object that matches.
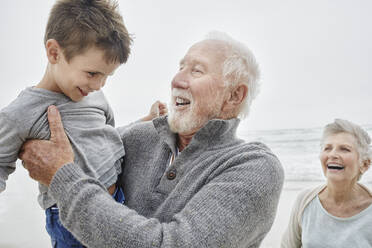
(240, 66)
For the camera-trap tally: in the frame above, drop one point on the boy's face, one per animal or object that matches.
(83, 74)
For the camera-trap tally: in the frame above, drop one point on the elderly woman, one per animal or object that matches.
(338, 214)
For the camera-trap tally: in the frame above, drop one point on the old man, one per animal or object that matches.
(188, 180)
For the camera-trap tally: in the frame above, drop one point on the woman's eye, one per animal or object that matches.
(92, 74)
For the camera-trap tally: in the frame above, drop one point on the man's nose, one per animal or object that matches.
(180, 81)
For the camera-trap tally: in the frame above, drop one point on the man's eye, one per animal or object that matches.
(197, 71)
(345, 149)
(92, 74)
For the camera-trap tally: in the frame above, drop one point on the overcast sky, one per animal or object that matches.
(315, 56)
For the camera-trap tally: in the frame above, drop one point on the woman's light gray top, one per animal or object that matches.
(321, 229)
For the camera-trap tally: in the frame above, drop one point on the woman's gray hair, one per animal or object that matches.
(240, 66)
(361, 136)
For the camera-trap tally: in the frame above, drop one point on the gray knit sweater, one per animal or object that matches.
(222, 192)
(89, 125)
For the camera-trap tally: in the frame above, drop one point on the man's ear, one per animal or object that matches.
(238, 94)
(53, 51)
(234, 99)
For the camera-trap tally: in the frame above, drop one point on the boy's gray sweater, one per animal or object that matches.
(219, 192)
(89, 125)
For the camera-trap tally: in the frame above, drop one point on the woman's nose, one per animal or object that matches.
(333, 153)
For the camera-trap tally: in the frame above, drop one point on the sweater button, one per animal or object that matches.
(171, 174)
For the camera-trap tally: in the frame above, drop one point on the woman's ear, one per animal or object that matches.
(53, 51)
(365, 165)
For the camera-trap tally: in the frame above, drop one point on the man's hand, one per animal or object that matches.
(42, 158)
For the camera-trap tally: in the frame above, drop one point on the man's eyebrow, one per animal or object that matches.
(192, 61)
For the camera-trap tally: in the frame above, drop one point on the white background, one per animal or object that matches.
(315, 56)
(315, 59)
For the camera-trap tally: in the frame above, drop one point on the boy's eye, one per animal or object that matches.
(92, 74)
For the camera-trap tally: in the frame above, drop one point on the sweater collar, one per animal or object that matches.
(214, 132)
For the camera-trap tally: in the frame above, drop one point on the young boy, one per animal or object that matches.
(85, 42)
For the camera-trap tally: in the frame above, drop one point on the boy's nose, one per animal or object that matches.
(98, 84)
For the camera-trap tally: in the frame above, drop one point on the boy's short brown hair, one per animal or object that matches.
(80, 24)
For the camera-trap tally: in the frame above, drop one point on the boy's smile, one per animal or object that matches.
(82, 92)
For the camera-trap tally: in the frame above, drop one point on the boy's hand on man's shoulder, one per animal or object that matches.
(157, 109)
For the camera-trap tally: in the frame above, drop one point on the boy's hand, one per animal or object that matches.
(42, 158)
(157, 109)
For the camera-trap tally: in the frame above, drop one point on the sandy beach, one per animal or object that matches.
(22, 219)
(287, 198)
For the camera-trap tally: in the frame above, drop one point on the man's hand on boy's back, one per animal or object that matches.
(42, 158)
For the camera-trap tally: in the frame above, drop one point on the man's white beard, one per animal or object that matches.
(189, 121)
(184, 123)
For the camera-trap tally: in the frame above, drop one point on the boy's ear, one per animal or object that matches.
(53, 51)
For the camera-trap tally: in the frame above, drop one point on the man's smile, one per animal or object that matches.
(181, 101)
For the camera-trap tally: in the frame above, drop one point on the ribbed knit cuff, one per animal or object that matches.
(2, 187)
(64, 179)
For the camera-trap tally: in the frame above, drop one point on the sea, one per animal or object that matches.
(298, 150)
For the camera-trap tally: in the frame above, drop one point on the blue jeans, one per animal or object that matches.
(60, 236)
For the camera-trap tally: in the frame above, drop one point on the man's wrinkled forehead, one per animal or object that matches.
(206, 52)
